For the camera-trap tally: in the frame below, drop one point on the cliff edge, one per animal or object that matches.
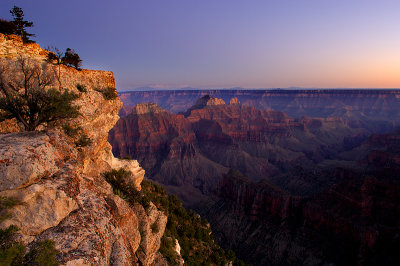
(61, 192)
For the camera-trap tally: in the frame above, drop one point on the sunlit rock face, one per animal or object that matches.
(234, 100)
(60, 188)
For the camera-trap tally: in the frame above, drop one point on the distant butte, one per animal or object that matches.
(147, 108)
(234, 100)
(207, 100)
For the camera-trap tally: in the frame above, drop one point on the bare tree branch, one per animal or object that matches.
(28, 95)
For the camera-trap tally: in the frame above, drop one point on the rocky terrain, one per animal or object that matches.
(60, 188)
(62, 184)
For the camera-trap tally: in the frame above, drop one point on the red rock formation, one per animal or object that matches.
(197, 147)
(382, 151)
(234, 100)
(352, 104)
(307, 216)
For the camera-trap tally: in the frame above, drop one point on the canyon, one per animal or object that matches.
(284, 177)
(198, 146)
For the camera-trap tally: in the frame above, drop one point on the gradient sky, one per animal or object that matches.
(226, 43)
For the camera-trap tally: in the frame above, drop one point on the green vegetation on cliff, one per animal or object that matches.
(25, 95)
(193, 233)
(12, 252)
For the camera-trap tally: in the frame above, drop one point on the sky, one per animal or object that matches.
(226, 43)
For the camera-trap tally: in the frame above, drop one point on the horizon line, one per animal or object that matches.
(241, 88)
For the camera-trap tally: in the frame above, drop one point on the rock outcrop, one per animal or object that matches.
(234, 100)
(12, 47)
(207, 101)
(152, 222)
(147, 108)
(204, 102)
(28, 157)
(60, 187)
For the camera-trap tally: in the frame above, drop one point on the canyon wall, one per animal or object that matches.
(315, 190)
(350, 104)
(354, 222)
(195, 148)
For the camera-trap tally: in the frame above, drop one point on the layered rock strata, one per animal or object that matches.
(351, 104)
(195, 148)
(318, 192)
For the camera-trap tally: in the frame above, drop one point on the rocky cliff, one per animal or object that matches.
(60, 187)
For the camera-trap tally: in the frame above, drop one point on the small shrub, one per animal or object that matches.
(71, 131)
(128, 158)
(121, 181)
(118, 178)
(81, 87)
(11, 252)
(7, 27)
(120, 194)
(6, 203)
(71, 58)
(145, 202)
(43, 253)
(83, 141)
(108, 93)
(167, 249)
(49, 106)
(52, 58)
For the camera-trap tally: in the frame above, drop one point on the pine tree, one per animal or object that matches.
(71, 58)
(21, 24)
